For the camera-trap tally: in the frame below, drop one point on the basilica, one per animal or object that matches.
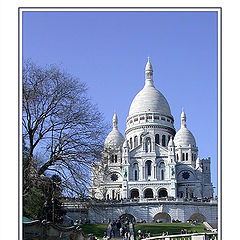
(152, 161)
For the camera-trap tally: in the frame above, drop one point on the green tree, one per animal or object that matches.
(34, 204)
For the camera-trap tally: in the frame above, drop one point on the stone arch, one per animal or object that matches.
(162, 217)
(128, 216)
(162, 192)
(148, 193)
(134, 193)
(198, 217)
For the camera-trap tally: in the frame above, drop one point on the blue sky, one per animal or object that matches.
(109, 50)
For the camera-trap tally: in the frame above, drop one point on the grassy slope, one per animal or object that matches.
(155, 228)
(96, 229)
(172, 228)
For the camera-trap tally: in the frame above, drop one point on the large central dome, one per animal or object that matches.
(149, 109)
(149, 99)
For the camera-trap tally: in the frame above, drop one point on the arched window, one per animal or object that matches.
(148, 168)
(157, 138)
(164, 141)
(148, 193)
(135, 171)
(148, 145)
(131, 145)
(162, 174)
(135, 175)
(186, 156)
(134, 193)
(113, 194)
(162, 170)
(135, 141)
(162, 193)
(183, 156)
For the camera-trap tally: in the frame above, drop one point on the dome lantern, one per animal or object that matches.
(115, 121)
(183, 119)
(148, 73)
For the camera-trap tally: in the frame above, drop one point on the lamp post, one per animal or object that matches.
(53, 210)
(45, 208)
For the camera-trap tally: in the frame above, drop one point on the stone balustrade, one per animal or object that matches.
(144, 200)
(192, 236)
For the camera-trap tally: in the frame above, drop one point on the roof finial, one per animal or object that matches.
(148, 73)
(183, 119)
(115, 120)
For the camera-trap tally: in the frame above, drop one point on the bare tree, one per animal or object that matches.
(60, 124)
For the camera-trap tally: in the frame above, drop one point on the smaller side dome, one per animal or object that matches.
(114, 139)
(184, 137)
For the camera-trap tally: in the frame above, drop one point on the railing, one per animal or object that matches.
(168, 199)
(192, 236)
(79, 203)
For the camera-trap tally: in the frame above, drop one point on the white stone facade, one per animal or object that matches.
(152, 161)
(165, 211)
(151, 211)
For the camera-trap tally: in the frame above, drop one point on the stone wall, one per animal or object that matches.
(181, 211)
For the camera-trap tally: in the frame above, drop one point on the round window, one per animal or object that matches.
(114, 177)
(185, 175)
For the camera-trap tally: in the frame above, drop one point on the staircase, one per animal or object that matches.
(210, 226)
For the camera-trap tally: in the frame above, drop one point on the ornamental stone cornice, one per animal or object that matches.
(147, 126)
(152, 203)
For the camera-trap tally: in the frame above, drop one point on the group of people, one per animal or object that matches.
(175, 221)
(142, 235)
(142, 220)
(120, 228)
(185, 231)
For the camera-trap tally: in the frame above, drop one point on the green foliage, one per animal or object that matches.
(33, 204)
